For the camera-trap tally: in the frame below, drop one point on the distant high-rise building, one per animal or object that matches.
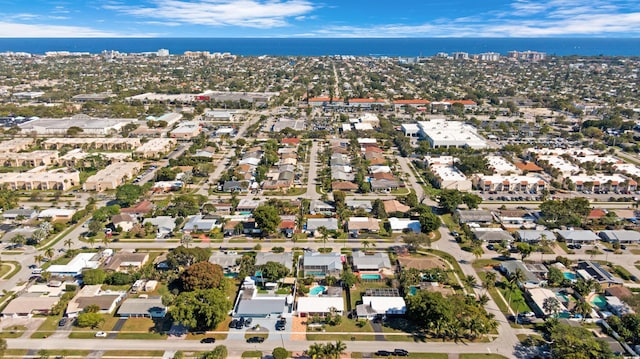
(490, 56)
(163, 52)
(461, 56)
(528, 55)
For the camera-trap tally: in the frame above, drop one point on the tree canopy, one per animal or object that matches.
(567, 212)
(267, 218)
(201, 275)
(272, 271)
(201, 309)
(184, 257)
(569, 342)
(128, 194)
(449, 200)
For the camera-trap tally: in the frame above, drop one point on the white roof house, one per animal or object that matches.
(76, 265)
(400, 224)
(319, 305)
(386, 305)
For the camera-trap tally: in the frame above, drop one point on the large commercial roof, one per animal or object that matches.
(441, 132)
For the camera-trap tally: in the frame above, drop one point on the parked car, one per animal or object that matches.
(33, 266)
(281, 324)
(255, 340)
(62, 322)
(383, 353)
(101, 334)
(247, 322)
(233, 323)
(400, 352)
(208, 340)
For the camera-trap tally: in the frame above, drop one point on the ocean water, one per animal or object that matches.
(405, 47)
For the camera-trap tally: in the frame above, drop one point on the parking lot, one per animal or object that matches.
(265, 325)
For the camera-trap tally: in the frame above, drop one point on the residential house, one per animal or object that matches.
(620, 236)
(370, 262)
(593, 270)
(76, 265)
(320, 265)
(235, 186)
(140, 209)
(319, 306)
(123, 221)
(577, 236)
(313, 224)
(533, 236)
(247, 205)
(394, 206)
(515, 218)
(287, 227)
(383, 184)
(285, 258)
(530, 280)
(492, 235)
(356, 225)
(252, 304)
(106, 300)
(321, 207)
(474, 216)
(164, 225)
(381, 302)
(19, 213)
(344, 186)
(537, 297)
(142, 308)
(29, 304)
(359, 204)
(404, 224)
(57, 214)
(200, 223)
(124, 261)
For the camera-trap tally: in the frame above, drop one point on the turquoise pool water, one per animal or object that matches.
(413, 290)
(371, 276)
(317, 290)
(569, 275)
(231, 275)
(599, 301)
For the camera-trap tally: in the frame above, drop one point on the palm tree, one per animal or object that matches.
(325, 234)
(339, 348)
(38, 258)
(106, 241)
(470, 280)
(49, 252)
(367, 244)
(477, 251)
(315, 351)
(186, 240)
(92, 241)
(514, 279)
(583, 308)
(489, 281)
(68, 242)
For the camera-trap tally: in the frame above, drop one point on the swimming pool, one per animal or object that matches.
(599, 301)
(413, 290)
(371, 276)
(569, 275)
(317, 290)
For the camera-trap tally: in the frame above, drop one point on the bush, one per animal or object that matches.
(280, 353)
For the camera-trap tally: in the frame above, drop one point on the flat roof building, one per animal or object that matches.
(108, 143)
(90, 126)
(442, 133)
(449, 177)
(112, 176)
(155, 147)
(57, 179)
(28, 159)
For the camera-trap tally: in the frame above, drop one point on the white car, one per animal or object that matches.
(101, 334)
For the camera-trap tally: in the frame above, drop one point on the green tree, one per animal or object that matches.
(219, 352)
(186, 240)
(89, 320)
(551, 305)
(555, 276)
(267, 219)
(201, 275)
(95, 227)
(416, 240)
(348, 279)
(280, 353)
(93, 276)
(49, 252)
(525, 249)
(429, 222)
(201, 309)
(272, 271)
(570, 342)
(184, 257)
(377, 209)
(449, 200)
(128, 194)
(18, 239)
(3, 346)
(471, 200)
(489, 280)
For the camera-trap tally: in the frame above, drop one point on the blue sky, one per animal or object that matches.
(327, 18)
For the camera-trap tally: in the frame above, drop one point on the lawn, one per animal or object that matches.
(564, 247)
(485, 356)
(13, 332)
(222, 327)
(134, 353)
(411, 355)
(518, 303)
(141, 328)
(47, 327)
(82, 333)
(252, 354)
(347, 325)
(482, 263)
(4, 269)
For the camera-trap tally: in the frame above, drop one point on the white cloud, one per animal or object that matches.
(244, 13)
(524, 18)
(12, 29)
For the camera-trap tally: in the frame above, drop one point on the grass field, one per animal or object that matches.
(140, 328)
(47, 327)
